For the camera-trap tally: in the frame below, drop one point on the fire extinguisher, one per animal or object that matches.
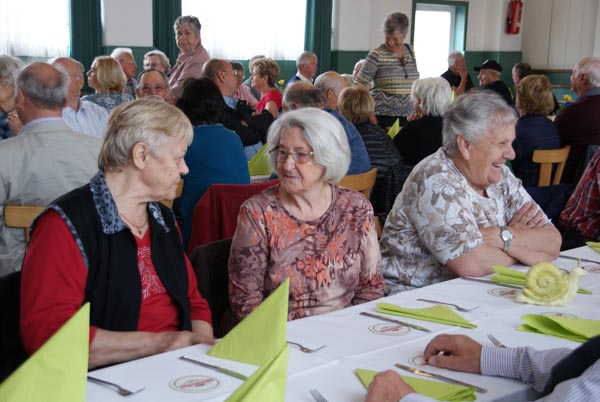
(513, 21)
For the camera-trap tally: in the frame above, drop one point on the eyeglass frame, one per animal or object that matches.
(282, 155)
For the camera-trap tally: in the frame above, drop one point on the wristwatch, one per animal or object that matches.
(506, 236)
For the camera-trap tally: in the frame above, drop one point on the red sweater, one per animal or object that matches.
(54, 278)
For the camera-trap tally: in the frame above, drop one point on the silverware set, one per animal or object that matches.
(304, 348)
(424, 373)
(459, 308)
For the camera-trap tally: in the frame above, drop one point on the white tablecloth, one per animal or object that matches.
(354, 341)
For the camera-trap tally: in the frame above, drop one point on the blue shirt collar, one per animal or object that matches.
(107, 209)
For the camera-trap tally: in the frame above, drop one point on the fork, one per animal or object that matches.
(495, 341)
(304, 348)
(317, 395)
(120, 390)
(459, 308)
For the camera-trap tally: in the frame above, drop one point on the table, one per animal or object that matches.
(355, 341)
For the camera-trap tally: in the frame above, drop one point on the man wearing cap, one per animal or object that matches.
(489, 78)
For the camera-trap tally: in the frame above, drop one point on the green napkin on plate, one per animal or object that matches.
(434, 389)
(574, 329)
(514, 277)
(593, 245)
(439, 314)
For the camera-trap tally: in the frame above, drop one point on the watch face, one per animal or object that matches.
(506, 235)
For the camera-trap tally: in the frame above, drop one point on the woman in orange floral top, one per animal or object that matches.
(306, 228)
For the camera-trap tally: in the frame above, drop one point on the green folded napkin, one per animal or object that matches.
(439, 314)
(434, 389)
(259, 164)
(593, 245)
(394, 129)
(574, 329)
(514, 277)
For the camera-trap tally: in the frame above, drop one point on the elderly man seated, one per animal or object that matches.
(46, 159)
(113, 244)
(307, 65)
(124, 56)
(457, 75)
(461, 210)
(489, 79)
(82, 116)
(153, 83)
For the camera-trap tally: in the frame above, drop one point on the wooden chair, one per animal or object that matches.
(547, 158)
(362, 182)
(169, 203)
(21, 216)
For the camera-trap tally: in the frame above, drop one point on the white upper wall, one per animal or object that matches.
(127, 23)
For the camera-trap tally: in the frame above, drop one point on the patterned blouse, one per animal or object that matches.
(108, 101)
(332, 262)
(436, 218)
(392, 81)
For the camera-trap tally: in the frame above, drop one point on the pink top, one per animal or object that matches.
(244, 93)
(188, 65)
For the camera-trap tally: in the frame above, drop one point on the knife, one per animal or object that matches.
(489, 282)
(216, 368)
(406, 324)
(439, 377)
(567, 257)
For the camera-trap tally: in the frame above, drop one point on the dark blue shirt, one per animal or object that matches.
(533, 132)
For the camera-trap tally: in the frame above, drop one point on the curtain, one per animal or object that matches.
(317, 37)
(86, 31)
(164, 13)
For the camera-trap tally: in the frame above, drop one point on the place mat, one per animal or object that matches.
(438, 313)
(514, 277)
(574, 329)
(438, 390)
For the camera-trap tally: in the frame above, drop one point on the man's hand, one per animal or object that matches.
(387, 386)
(455, 352)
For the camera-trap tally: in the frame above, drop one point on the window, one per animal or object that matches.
(240, 29)
(439, 28)
(35, 28)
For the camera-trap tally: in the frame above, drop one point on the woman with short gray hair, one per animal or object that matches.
(422, 135)
(391, 68)
(461, 210)
(306, 228)
(192, 55)
(9, 120)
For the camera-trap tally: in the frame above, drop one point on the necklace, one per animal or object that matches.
(140, 228)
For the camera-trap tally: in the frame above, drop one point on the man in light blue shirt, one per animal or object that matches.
(81, 116)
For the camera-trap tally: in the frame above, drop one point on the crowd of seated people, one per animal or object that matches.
(201, 122)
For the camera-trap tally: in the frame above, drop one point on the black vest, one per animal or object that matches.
(113, 285)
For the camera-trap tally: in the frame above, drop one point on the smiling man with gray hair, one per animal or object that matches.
(46, 159)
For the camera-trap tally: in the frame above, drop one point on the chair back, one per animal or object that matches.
(210, 266)
(178, 191)
(215, 214)
(547, 158)
(21, 216)
(362, 182)
(11, 347)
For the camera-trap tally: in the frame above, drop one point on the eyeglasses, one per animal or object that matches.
(150, 88)
(301, 157)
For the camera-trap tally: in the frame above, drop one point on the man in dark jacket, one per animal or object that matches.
(489, 78)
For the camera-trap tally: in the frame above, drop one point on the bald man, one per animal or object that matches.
(81, 116)
(153, 83)
(46, 159)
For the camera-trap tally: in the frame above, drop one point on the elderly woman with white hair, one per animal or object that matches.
(113, 244)
(157, 60)
(192, 55)
(422, 135)
(9, 120)
(461, 210)
(306, 228)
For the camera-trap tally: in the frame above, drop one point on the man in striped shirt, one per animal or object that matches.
(559, 374)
